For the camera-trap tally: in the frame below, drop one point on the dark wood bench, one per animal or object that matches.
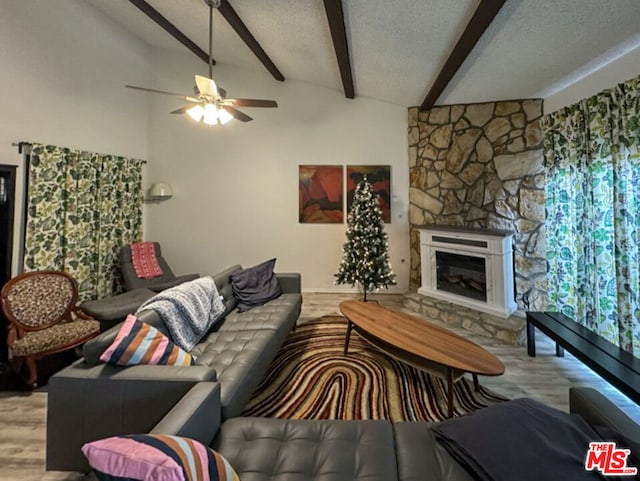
(614, 364)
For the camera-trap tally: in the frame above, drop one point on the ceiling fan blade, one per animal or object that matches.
(182, 110)
(237, 114)
(252, 102)
(163, 92)
(207, 86)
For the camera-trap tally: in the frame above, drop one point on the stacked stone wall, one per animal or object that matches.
(481, 166)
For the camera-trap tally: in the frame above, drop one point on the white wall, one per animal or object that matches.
(602, 74)
(63, 67)
(236, 186)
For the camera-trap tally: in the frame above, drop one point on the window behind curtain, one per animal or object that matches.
(592, 197)
(81, 208)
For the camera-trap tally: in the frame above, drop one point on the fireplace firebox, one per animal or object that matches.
(472, 268)
(462, 275)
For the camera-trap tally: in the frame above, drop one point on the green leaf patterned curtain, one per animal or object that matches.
(592, 197)
(81, 208)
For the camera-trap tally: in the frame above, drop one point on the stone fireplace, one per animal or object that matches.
(480, 166)
(470, 268)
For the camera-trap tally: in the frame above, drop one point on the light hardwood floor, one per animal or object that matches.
(545, 378)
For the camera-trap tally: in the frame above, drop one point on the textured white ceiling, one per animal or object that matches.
(399, 46)
(531, 45)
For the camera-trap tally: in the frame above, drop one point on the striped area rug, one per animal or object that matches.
(311, 378)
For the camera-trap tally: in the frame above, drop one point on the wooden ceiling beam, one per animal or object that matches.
(482, 18)
(335, 16)
(154, 15)
(241, 29)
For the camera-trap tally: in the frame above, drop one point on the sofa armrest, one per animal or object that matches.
(196, 416)
(290, 283)
(597, 410)
(87, 402)
(188, 277)
(160, 286)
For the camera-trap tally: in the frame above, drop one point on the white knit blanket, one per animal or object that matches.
(188, 310)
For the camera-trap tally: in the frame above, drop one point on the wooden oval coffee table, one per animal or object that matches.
(420, 344)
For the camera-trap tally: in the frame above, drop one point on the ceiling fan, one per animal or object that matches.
(209, 103)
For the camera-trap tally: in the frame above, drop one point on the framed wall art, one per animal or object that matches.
(379, 176)
(320, 194)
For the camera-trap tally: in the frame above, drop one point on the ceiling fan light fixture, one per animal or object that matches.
(196, 112)
(213, 115)
(224, 116)
(211, 103)
(210, 114)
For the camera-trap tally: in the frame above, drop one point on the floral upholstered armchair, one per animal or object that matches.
(43, 317)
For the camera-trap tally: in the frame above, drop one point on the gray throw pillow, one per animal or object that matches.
(521, 439)
(255, 285)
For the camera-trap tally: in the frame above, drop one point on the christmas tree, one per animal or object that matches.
(366, 252)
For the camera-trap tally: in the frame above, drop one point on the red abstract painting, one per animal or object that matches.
(379, 176)
(320, 189)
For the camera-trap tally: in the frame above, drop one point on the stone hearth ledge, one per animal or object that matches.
(511, 330)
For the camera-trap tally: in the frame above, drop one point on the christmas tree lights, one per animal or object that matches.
(366, 252)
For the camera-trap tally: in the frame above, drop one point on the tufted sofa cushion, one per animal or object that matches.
(278, 314)
(240, 359)
(431, 461)
(262, 449)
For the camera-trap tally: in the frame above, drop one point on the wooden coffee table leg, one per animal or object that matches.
(476, 383)
(450, 392)
(348, 336)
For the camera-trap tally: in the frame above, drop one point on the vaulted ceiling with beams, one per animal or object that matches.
(407, 52)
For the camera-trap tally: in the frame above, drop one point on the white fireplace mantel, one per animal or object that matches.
(493, 248)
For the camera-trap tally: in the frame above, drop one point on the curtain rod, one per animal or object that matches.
(22, 144)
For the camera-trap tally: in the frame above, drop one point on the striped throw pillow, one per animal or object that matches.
(156, 457)
(140, 343)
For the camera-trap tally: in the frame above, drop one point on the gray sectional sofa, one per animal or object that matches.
(91, 400)
(262, 449)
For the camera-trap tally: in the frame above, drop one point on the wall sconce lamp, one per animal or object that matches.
(159, 191)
